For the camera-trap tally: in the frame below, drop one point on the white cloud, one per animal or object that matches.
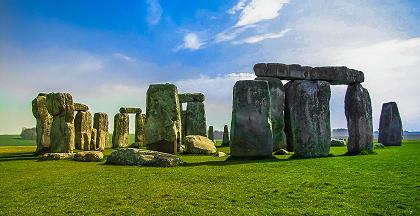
(231, 33)
(258, 10)
(154, 12)
(261, 37)
(124, 57)
(191, 42)
(238, 7)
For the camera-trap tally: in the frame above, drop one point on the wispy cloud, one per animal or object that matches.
(191, 42)
(261, 37)
(258, 10)
(238, 7)
(154, 12)
(124, 57)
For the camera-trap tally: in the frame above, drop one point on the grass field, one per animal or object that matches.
(385, 183)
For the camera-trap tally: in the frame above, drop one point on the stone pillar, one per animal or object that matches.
(251, 133)
(139, 132)
(184, 123)
(358, 111)
(307, 118)
(390, 125)
(83, 131)
(120, 134)
(277, 107)
(210, 133)
(162, 129)
(43, 123)
(100, 123)
(225, 140)
(196, 119)
(61, 107)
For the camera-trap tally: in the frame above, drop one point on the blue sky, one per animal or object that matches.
(106, 53)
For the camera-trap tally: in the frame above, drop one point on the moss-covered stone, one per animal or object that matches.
(307, 118)
(191, 97)
(210, 133)
(83, 131)
(390, 125)
(130, 110)
(43, 123)
(196, 119)
(225, 138)
(120, 134)
(139, 128)
(162, 129)
(251, 133)
(140, 157)
(80, 107)
(100, 123)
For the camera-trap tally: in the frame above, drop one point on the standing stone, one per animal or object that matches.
(61, 107)
(191, 97)
(43, 124)
(196, 119)
(390, 125)
(307, 117)
(251, 133)
(277, 108)
(139, 132)
(80, 107)
(162, 129)
(120, 134)
(184, 122)
(100, 123)
(210, 133)
(93, 139)
(225, 140)
(358, 111)
(83, 131)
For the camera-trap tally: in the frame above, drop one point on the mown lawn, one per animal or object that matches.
(385, 183)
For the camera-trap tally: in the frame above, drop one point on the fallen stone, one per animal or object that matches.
(390, 125)
(195, 144)
(251, 133)
(28, 133)
(358, 110)
(43, 123)
(139, 128)
(334, 75)
(191, 97)
(162, 129)
(196, 119)
(130, 110)
(100, 123)
(120, 134)
(57, 156)
(307, 118)
(80, 107)
(140, 157)
(277, 107)
(83, 131)
(221, 154)
(281, 152)
(225, 137)
(210, 133)
(338, 142)
(88, 156)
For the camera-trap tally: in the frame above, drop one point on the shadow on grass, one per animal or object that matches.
(18, 156)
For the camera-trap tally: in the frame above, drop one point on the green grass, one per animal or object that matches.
(385, 183)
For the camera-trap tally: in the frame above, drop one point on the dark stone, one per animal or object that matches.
(191, 97)
(210, 134)
(390, 125)
(130, 110)
(225, 138)
(139, 126)
(196, 119)
(140, 157)
(80, 107)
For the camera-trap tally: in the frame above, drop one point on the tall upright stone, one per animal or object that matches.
(358, 109)
(43, 123)
(390, 125)
(139, 132)
(225, 138)
(184, 122)
(251, 133)
(120, 134)
(61, 107)
(162, 129)
(277, 107)
(100, 123)
(196, 119)
(83, 131)
(307, 117)
(210, 134)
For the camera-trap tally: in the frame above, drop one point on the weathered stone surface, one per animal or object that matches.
(61, 107)
(196, 119)
(334, 75)
(338, 142)
(83, 131)
(57, 156)
(210, 133)
(139, 128)
(196, 144)
(80, 107)
(120, 134)
(162, 129)
(43, 123)
(93, 140)
(221, 154)
(251, 133)
(358, 111)
(130, 110)
(100, 123)
(191, 97)
(225, 138)
(281, 152)
(307, 118)
(277, 107)
(88, 156)
(390, 125)
(28, 133)
(184, 123)
(140, 157)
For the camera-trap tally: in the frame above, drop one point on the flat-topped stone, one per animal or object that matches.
(80, 107)
(130, 110)
(191, 97)
(334, 75)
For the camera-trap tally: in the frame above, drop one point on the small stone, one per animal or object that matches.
(338, 142)
(210, 133)
(378, 145)
(221, 154)
(130, 110)
(88, 156)
(225, 137)
(390, 125)
(281, 152)
(195, 144)
(80, 107)
(120, 134)
(191, 97)
(57, 156)
(140, 157)
(196, 119)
